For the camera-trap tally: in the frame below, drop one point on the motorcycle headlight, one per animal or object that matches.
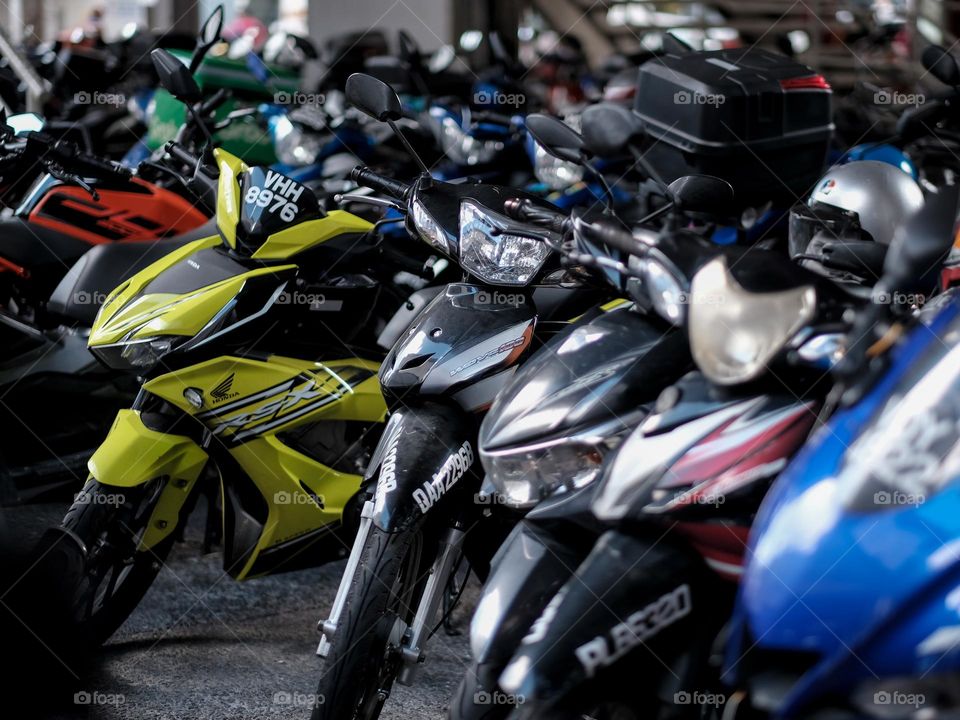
(463, 148)
(734, 333)
(553, 172)
(524, 477)
(428, 228)
(139, 356)
(293, 146)
(489, 251)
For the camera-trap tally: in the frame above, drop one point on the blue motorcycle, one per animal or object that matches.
(849, 603)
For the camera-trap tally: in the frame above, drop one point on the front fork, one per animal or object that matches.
(412, 637)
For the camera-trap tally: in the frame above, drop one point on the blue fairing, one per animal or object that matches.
(867, 582)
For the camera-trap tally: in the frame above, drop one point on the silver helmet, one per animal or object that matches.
(866, 200)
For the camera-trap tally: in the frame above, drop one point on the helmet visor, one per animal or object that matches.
(811, 227)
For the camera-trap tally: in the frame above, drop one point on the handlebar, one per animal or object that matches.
(214, 101)
(527, 211)
(613, 235)
(368, 178)
(176, 151)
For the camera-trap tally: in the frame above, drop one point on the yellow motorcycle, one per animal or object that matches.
(251, 346)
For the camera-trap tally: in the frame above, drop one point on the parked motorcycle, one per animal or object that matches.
(418, 512)
(255, 348)
(679, 495)
(845, 605)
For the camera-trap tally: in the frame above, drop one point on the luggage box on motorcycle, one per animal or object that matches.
(759, 120)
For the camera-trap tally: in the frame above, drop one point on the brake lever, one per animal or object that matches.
(344, 198)
(72, 178)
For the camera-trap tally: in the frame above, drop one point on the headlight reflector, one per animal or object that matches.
(134, 356)
(523, 478)
(429, 229)
(463, 148)
(734, 333)
(292, 145)
(490, 252)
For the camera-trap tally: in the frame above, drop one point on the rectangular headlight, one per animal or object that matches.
(734, 333)
(489, 251)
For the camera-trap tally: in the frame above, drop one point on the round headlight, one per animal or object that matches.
(734, 333)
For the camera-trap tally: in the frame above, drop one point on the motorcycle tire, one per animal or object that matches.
(364, 659)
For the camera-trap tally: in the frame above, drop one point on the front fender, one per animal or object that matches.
(631, 596)
(425, 455)
(132, 454)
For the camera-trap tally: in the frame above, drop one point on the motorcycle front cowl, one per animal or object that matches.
(467, 339)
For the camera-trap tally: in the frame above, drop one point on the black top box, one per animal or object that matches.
(759, 120)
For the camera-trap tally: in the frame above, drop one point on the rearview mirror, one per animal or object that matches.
(941, 64)
(175, 77)
(373, 97)
(702, 194)
(608, 129)
(920, 245)
(207, 37)
(556, 137)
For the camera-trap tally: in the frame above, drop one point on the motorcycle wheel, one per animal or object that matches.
(365, 659)
(99, 589)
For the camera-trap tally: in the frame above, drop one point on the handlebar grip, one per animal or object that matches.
(368, 178)
(527, 211)
(177, 152)
(614, 236)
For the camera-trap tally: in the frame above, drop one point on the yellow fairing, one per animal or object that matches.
(132, 455)
(282, 245)
(130, 315)
(247, 402)
(228, 194)
(285, 243)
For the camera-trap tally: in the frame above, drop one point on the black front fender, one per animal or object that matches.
(426, 456)
(631, 597)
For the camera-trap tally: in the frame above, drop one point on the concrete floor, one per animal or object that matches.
(203, 646)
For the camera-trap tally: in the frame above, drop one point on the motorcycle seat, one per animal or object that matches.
(78, 296)
(35, 247)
